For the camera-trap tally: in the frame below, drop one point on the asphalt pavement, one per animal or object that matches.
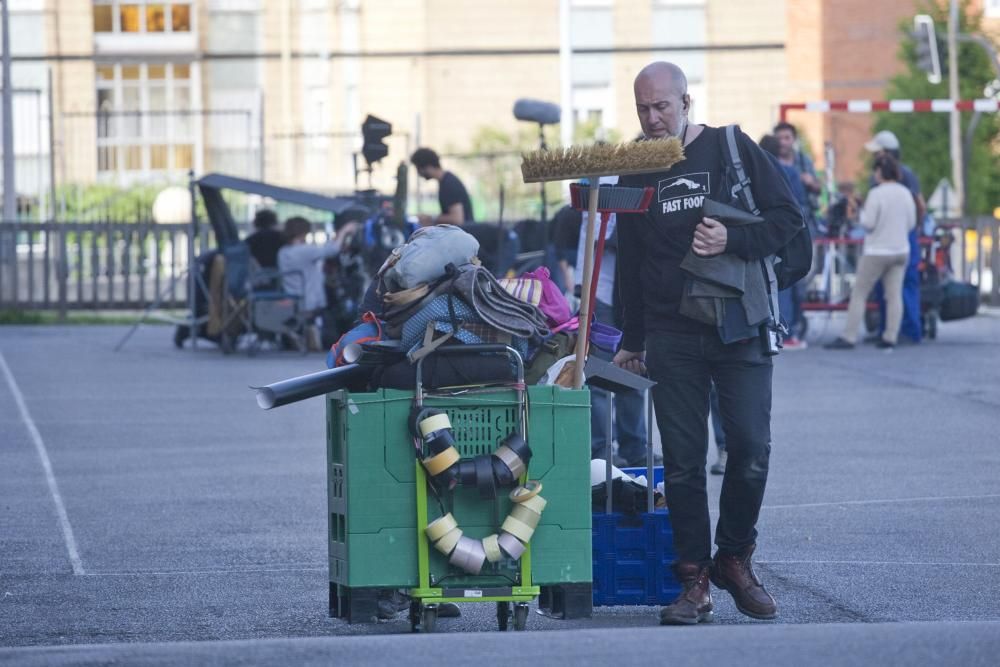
(151, 513)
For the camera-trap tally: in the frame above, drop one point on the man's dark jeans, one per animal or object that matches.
(684, 365)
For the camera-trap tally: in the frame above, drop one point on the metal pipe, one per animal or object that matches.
(296, 389)
(608, 454)
(52, 153)
(9, 188)
(954, 126)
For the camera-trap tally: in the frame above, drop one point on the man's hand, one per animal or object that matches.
(631, 361)
(709, 238)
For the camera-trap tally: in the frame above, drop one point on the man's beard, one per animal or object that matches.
(681, 130)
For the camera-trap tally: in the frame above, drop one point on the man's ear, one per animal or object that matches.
(686, 100)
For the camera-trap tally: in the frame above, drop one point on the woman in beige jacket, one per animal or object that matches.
(887, 217)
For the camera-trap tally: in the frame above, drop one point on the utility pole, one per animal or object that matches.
(954, 127)
(9, 190)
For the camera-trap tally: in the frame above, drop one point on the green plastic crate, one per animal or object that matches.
(372, 497)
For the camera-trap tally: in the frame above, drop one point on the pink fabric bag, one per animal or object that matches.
(552, 302)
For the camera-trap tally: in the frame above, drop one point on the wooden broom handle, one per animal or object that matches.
(583, 332)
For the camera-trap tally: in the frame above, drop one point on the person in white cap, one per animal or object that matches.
(887, 143)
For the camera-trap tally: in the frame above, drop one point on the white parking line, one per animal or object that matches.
(882, 501)
(36, 437)
(144, 573)
(877, 562)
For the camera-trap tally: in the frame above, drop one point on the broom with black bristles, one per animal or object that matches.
(592, 162)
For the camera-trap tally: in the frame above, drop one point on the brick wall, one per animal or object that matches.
(842, 50)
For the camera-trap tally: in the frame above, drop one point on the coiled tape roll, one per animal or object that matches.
(469, 555)
(536, 504)
(440, 527)
(528, 517)
(447, 543)
(491, 545)
(436, 465)
(434, 423)
(518, 529)
(510, 459)
(531, 489)
(511, 545)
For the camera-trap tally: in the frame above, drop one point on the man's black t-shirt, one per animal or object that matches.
(451, 191)
(264, 245)
(652, 245)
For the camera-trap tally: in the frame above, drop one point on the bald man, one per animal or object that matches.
(684, 356)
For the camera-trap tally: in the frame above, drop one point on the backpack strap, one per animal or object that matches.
(741, 188)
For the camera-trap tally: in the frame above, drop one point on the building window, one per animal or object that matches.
(138, 16)
(991, 9)
(145, 119)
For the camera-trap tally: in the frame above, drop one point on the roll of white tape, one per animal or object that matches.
(437, 464)
(511, 545)
(531, 489)
(440, 527)
(447, 543)
(491, 545)
(537, 504)
(527, 516)
(434, 423)
(518, 529)
(469, 555)
(511, 460)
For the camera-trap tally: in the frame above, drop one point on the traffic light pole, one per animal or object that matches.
(954, 125)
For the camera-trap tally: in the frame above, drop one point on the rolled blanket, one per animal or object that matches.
(478, 288)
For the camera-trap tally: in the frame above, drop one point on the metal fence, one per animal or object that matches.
(94, 266)
(104, 266)
(99, 266)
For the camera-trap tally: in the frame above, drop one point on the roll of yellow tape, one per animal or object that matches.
(437, 464)
(536, 504)
(512, 546)
(531, 489)
(528, 517)
(518, 529)
(434, 423)
(440, 527)
(447, 543)
(491, 545)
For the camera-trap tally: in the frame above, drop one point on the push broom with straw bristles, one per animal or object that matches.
(593, 162)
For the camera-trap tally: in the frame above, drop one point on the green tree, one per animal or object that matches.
(923, 137)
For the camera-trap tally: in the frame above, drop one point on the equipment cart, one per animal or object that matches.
(387, 487)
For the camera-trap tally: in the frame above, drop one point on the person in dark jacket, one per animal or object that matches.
(685, 357)
(266, 241)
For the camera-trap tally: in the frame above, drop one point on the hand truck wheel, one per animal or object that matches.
(428, 618)
(520, 615)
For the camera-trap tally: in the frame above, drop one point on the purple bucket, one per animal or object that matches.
(605, 336)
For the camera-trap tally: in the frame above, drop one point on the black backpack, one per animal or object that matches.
(794, 259)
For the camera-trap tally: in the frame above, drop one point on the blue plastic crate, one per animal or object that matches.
(632, 558)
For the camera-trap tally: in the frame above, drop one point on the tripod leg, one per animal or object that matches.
(150, 308)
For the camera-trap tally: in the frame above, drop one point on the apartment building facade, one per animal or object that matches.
(146, 90)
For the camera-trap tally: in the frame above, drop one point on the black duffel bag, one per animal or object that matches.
(960, 300)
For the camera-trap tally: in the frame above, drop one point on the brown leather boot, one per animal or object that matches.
(734, 573)
(694, 604)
